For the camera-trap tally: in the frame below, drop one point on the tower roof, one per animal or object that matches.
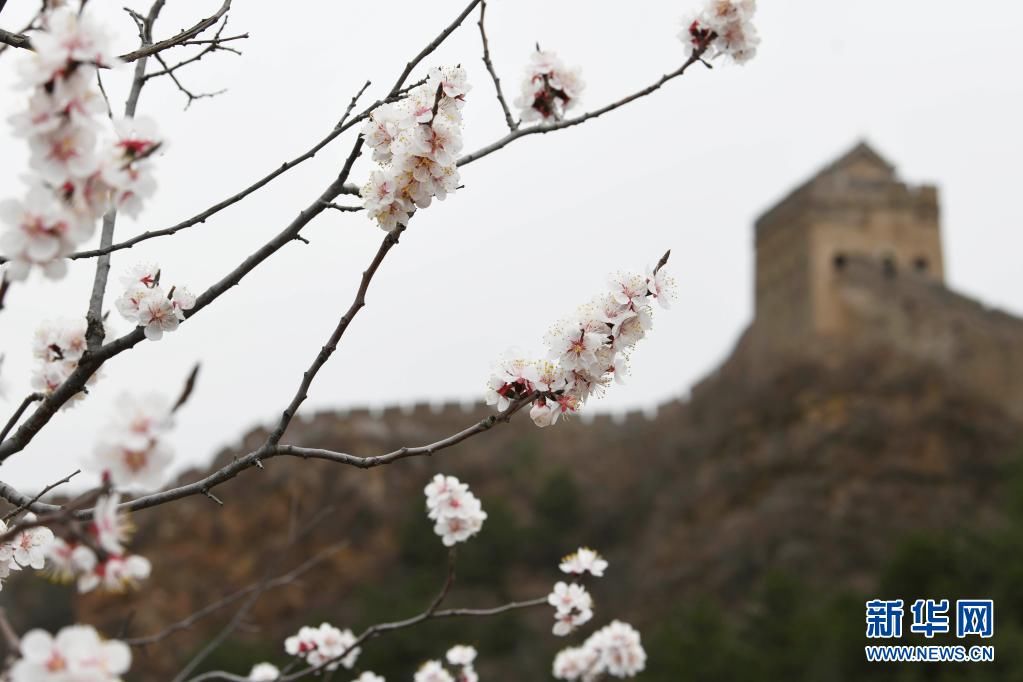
(860, 165)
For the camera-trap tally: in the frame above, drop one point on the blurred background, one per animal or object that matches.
(830, 412)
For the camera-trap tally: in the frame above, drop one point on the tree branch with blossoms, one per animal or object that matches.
(87, 168)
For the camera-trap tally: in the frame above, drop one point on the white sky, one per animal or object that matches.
(539, 225)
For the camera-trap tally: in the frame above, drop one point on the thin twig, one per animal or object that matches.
(249, 603)
(512, 124)
(569, 122)
(351, 105)
(29, 399)
(280, 581)
(94, 317)
(328, 349)
(186, 391)
(28, 504)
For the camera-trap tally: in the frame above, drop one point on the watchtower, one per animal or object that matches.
(854, 209)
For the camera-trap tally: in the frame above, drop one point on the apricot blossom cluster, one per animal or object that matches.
(586, 351)
(82, 165)
(416, 140)
(722, 27)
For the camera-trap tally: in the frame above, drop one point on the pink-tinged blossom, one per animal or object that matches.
(264, 672)
(463, 656)
(417, 141)
(39, 232)
(576, 663)
(132, 451)
(69, 38)
(28, 549)
(156, 316)
(545, 412)
(76, 654)
(549, 89)
(587, 351)
(148, 305)
(382, 128)
(109, 526)
(722, 27)
(58, 346)
(325, 645)
(620, 648)
(114, 573)
(66, 153)
(512, 379)
(584, 560)
(457, 513)
(573, 606)
(83, 166)
(661, 286)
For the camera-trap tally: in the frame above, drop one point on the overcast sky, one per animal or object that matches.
(538, 226)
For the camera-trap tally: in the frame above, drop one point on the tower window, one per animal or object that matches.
(888, 266)
(839, 261)
(920, 264)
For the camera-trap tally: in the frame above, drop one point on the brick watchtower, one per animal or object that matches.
(854, 209)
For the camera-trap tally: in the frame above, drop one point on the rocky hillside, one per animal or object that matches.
(817, 473)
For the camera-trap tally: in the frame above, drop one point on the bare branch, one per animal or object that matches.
(664, 261)
(14, 39)
(262, 586)
(10, 637)
(94, 358)
(23, 41)
(31, 398)
(433, 45)
(328, 349)
(343, 209)
(28, 504)
(94, 317)
(351, 105)
(283, 580)
(250, 460)
(569, 122)
(186, 392)
(5, 285)
(512, 124)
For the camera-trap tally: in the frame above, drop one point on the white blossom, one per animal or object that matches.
(40, 232)
(418, 149)
(456, 512)
(722, 27)
(369, 677)
(28, 548)
(549, 89)
(584, 560)
(576, 663)
(114, 574)
(264, 672)
(573, 606)
(58, 346)
(110, 527)
(145, 303)
(76, 654)
(83, 165)
(587, 351)
(461, 655)
(433, 671)
(132, 450)
(323, 645)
